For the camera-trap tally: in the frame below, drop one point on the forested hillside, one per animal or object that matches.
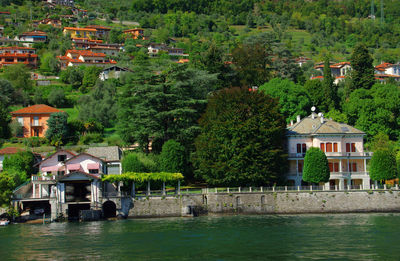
(177, 55)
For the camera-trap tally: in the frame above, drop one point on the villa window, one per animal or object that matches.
(300, 167)
(352, 167)
(335, 147)
(93, 171)
(350, 147)
(329, 147)
(62, 157)
(333, 166)
(322, 146)
(301, 148)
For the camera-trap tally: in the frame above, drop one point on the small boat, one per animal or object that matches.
(4, 222)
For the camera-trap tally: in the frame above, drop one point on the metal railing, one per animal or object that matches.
(337, 154)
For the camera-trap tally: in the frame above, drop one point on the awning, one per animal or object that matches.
(76, 166)
(93, 165)
(50, 168)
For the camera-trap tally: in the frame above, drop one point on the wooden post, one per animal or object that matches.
(163, 188)
(133, 189)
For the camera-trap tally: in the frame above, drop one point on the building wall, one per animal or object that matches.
(29, 131)
(53, 160)
(84, 160)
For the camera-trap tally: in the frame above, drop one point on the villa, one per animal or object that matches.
(33, 119)
(89, 33)
(16, 55)
(84, 57)
(342, 144)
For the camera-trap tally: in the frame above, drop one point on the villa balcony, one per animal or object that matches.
(36, 124)
(334, 154)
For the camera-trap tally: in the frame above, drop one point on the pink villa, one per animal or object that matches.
(342, 144)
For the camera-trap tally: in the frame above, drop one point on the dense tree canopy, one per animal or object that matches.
(241, 139)
(383, 165)
(165, 106)
(293, 99)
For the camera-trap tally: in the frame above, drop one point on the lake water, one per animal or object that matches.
(269, 237)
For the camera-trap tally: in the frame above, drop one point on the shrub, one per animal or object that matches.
(91, 138)
(316, 168)
(383, 165)
(132, 163)
(34, 141)
(172, 157)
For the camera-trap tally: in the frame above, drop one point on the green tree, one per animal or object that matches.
(316, 168)
(57, 98)
(19, 76)
(241, 139)
(57, 132)
(362, 73)
(90, 76)
(100, 104)
(165, 106)
(252, 64)
(132, 163)
(21, 162)
(5, 119)
(7, 184)
(173, 157)
(49, 63)
(293, 99)
(383, 165)
(72, 75)
(7, 93)
(328, 89)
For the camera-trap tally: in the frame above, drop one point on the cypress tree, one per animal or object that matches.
(362, 74)
(316, 168)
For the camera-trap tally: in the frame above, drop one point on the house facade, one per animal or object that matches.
(89, 33)
(101, 31)
(84, 57)
(33, 119)
(16, 55)
(154, 49)
(385, 71)
(29, 38)
(136, 33)
(342, 144)
(113, 72)
(68, 182)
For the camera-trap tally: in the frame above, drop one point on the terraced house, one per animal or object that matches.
(84, 57)
(342, 144)
(15, 55)
(88, 33)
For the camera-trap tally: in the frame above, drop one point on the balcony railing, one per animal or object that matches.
(335, 154)
(36, 124)
(43, 178)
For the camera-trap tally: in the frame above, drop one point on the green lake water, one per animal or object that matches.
(269, 237)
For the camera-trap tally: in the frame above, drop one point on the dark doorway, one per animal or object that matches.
(109, 209)
(73, 210)
(77, 192)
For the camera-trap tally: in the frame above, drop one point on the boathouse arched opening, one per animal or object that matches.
(109, 209)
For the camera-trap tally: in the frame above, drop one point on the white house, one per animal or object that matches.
(342, 144)
(113, 72)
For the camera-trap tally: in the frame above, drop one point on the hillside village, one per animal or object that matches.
(84, 96)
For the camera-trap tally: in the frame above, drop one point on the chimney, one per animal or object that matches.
(322, 119)
(291, 123)
(298, 118)
(313, 115)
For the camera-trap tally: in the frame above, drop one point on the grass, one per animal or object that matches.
(73, 113)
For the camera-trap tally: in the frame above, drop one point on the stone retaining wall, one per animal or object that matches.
(269, 203)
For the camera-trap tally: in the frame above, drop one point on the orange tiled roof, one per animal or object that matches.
(10, 150)
(41, 33)
(36, 109)
(26, 55)
(98, 27)
(383, 65)
(133, 30)
(80, 29)
(317, 77)
(16, 48)
(85, 53)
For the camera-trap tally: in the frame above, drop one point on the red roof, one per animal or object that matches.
(85, 53)
(26, 55)
(133, 30)
(37, 109)
(16, 48)
(98, 27)
(10, 150)
(80, 29)
(35, 33)
(317, 77)
(383, 65)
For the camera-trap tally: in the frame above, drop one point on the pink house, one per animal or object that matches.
(342, 144)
